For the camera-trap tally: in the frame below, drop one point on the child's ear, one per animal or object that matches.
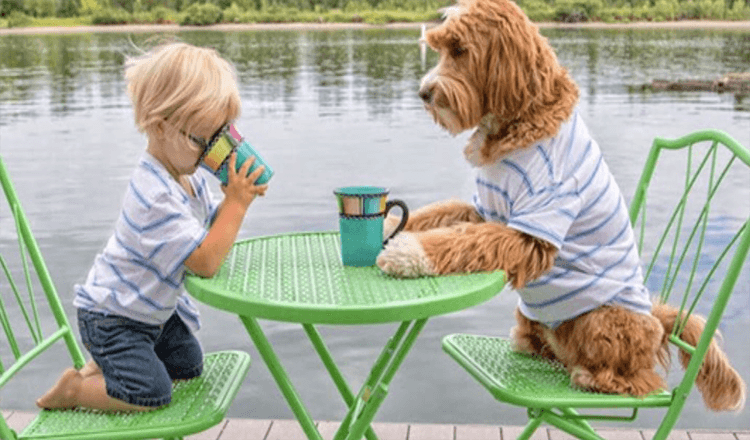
(157, 129)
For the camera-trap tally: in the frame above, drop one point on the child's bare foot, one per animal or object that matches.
(90, 369)
(64, 393)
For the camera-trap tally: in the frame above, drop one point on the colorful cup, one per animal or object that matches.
(216, 157)
(362, 210)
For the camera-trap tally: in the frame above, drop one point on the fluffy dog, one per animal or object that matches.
(546, 210)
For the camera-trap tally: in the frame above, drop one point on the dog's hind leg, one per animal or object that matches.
(528, 337)
(606, 380)
(612, 350)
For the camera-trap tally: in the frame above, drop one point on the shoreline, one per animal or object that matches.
(240, 27)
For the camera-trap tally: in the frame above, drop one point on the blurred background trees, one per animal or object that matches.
(203, 12)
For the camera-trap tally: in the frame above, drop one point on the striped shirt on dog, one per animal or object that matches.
(140, 272)
(561, 191)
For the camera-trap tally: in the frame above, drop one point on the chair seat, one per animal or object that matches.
(197, 404)
(529, 381)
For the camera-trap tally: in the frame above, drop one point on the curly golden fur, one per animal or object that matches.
(528, 98)
(457, 239)
(499, 76)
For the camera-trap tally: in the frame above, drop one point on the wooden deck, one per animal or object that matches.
(251, 429)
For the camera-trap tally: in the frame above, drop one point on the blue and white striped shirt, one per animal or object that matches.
(140, 272)
(561, 191)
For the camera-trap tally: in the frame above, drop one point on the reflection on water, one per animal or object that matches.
(329, 109)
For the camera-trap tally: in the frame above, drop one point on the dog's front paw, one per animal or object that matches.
(405, 257)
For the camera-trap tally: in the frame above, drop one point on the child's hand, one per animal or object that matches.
(241, 187)
(239, 193)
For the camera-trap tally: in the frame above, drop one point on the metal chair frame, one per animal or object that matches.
(544, 388)
(197, 404)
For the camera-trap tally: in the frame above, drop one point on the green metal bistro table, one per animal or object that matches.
(300, 278)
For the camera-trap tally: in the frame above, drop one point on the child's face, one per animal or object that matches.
(183, 150)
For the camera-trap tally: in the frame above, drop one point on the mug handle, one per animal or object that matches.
(404, 216)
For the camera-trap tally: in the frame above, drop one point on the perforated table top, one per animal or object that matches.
(300, 278)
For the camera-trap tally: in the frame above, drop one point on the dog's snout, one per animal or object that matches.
(426, 94)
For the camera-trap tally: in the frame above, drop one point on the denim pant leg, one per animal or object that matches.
(179, 350)
(124, 350)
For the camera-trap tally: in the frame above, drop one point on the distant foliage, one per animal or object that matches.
(126, 5)
(8, 6)
(740, 11)
(161, 14)
(665, 10)
(577, 10)
(538, 10)
(111, 16)
(68, 8)
(201, 14)
(88, 7)
(40, 8)
(158, 15)
(206, 12)
(18, 19)
(233, 14)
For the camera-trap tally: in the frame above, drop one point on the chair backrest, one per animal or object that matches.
(23, 273)
(692, 218)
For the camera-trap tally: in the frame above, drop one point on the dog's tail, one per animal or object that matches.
(720, 385)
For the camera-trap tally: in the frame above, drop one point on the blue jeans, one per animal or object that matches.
(139, 361)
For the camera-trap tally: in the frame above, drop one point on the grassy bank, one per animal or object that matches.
(33, 13)
(209, 14)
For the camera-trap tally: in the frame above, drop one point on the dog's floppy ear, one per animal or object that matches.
(518, 62)
(435, 38)
(527, 90)
(445, 37)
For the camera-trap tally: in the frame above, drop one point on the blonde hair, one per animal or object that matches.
(182, 85)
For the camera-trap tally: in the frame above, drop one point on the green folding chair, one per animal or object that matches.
(197, 404)
(677, 239)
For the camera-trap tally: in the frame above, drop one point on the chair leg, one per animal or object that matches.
(574, 427)
(530, 428)
(571, 413)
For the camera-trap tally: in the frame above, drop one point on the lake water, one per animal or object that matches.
(329, 109)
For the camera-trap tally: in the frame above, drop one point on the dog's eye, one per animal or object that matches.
(457, 51)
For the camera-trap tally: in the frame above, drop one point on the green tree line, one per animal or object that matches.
(203, 12)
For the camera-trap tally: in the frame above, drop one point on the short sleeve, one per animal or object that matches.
(169, 233)
(546, 214)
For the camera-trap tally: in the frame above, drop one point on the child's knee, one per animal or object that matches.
(179, 350)
(154, 391)
(178, 372)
